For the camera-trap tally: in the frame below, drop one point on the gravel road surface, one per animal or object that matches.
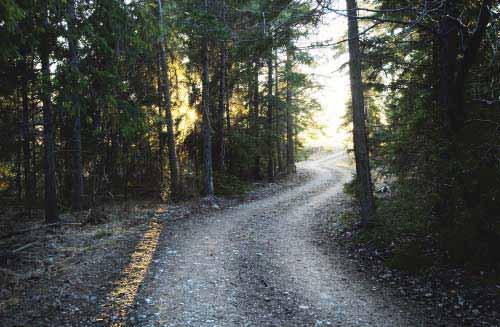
(257, 264)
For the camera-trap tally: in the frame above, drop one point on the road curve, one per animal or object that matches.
(257, 264)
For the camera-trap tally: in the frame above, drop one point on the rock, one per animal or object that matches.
(460, 300)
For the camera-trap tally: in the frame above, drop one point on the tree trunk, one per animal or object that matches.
(126, 158)
(220, 148)
(361, 151)
(26, 137)
(207, 129)
(51, 212)
(222, 106)
(278, 117)
(33, 138)
(255, 125)
(290, 144)
(172, 155)
(455, 60)
(269, 132)
(18, 172)
(161, 139)
(76, 135)
(228, 113)
(448, 52)
(111, 160)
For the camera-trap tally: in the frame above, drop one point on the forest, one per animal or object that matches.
(174, 102)
(110, 98)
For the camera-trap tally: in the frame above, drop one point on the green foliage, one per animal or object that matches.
(229, 185)
(10, 15)
(401, 216)
(112, 82)
(445, 181)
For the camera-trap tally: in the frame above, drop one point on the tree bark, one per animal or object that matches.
(33, 137)
(455, 63)
(18, 172)
(455, 58)
(161, 139)
(76, 134)
(448, 51)
(207, 129)
(278, 117)
(270, 132)
(222, 103)
(254, 119)
(290, 144)
(172, 155)
(361, 151)
(228, 113)
(26, 137)
(51, 212)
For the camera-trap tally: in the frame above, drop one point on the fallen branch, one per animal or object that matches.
(4, 256)
(24, 247)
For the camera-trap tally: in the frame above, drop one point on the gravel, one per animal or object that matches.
(258, 264)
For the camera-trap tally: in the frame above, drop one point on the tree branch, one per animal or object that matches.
(472, 47)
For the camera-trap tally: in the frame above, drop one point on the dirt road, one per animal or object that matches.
(257, 264)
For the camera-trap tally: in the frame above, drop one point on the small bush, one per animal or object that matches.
(227, 185)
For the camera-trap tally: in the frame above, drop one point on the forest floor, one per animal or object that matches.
(267, 259)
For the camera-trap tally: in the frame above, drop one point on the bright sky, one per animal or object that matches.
(335, 84)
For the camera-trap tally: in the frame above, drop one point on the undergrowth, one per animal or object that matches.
(229, 185)
(415, 241)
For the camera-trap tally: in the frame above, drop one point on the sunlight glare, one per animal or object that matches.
(334, 91)
(121, 299)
